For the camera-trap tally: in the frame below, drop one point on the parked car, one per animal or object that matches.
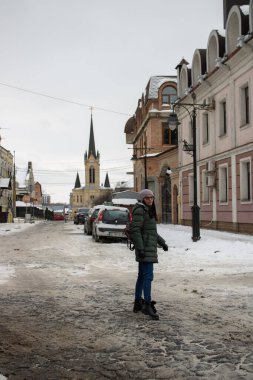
(110, 223)
(58, 215)
(80, 215)
(93, 212)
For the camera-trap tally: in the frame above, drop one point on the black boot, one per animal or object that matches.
(138, 305)
(149, 309)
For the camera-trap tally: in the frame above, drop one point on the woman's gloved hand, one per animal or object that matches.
(165, 247)
(141, 254)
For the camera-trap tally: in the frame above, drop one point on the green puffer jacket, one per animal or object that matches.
(144, 234)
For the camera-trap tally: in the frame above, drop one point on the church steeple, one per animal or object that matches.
(92, 149)
(77, 183)
(107, 182)
(92, 162)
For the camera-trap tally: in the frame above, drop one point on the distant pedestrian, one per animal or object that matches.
(143, 230)
(46, 214)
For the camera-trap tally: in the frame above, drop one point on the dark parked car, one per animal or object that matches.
(111, 223)
(80, 215)
(90, 219)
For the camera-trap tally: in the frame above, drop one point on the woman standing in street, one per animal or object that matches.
(143, 231)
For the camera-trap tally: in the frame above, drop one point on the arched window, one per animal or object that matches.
(212, 52)
(233, 31)
(169, 95)
(92, 174)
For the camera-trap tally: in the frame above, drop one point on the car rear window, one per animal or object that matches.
(95, 213)
(83, 210)
(111, 215)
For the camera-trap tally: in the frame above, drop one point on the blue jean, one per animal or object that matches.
(143, 283)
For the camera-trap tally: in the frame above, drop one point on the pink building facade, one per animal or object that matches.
(221, 75)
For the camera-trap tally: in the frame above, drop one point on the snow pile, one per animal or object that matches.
(215, 253)
(18, 225)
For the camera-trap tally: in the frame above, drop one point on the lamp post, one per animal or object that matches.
(173, 123)
(134, 158)
(145, 166)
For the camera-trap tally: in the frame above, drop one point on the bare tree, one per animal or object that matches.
(103, 198)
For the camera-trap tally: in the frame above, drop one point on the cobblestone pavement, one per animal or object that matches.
(64, 316)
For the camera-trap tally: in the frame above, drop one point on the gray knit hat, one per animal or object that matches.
(145, 193)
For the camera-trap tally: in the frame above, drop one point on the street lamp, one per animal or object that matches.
(173, 123)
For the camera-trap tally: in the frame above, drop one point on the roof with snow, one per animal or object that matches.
(155, 83)
(124, 201)
(245, 9)
(125, 184)
(126, 194)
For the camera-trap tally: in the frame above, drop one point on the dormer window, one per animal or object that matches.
(169, 95)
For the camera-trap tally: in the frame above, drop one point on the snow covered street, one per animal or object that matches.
(66, 306)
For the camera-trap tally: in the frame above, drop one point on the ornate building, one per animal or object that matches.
(220, 75)
(155, 150)
(92, 193)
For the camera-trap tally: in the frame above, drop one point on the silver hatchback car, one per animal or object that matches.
(110, 223)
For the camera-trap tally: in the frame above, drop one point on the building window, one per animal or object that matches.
(77, 198)
(191, 188)
(223, 118)
(205, 188)
(92, 197)
(245, 180)
(81, 199)
(223, 184)
(205, 128)
(245, 112)
(169, 95)
(92, 174)
(169, 137)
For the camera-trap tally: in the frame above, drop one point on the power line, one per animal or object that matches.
(69, 172)
(62, 99)
(78, 162)
(53, 171)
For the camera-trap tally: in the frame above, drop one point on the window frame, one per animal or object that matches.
(244, 105)
(92, 177)
(223, 195)
(245, 178)
(205, 188)
(171, 137)
(223, 118)
(168, 96)
(191, 189)
(205, 128)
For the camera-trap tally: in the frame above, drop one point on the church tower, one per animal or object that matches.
(93, 192)
(92, 163)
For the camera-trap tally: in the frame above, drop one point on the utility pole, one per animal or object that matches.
(14, 188)
(135, 158)
(145, 165)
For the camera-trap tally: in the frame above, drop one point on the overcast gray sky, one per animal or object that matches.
(98, 53)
